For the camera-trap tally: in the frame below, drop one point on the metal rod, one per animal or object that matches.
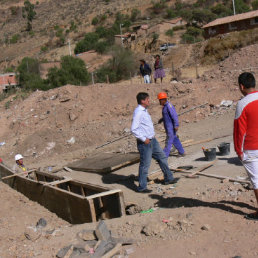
(125, 136)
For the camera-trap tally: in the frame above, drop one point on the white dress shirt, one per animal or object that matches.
(142, 126)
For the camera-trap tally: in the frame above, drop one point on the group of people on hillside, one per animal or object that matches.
(146, 70)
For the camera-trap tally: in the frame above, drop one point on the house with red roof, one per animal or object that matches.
(7, 80)
(243, 21)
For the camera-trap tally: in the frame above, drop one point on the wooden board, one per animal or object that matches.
(66, 198)
(105, 162)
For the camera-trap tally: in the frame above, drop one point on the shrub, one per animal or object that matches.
(15, 38)
(119, 67)
(28, 13)
(221, 10)
(255, 5)
(170, 13)
(180, 27)
(14, 10)
(95, 21)
(170, 32)
(87, 43)
(72, 71)
(135, 14)
(158, 7)
(43, 49)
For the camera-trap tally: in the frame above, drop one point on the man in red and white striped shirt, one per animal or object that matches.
(246, 131)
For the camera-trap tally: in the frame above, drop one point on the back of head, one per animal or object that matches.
(247, 80)
(141, 96)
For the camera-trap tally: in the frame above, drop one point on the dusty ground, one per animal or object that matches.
(204, 217)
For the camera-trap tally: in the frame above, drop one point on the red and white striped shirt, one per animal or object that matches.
(246, 124)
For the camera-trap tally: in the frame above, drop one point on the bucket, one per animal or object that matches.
(210, 154)
(224, 148)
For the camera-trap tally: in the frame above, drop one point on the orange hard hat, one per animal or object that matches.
(162, 95)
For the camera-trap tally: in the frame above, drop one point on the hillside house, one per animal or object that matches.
(7, 80)
(126, 38)
(243, 21)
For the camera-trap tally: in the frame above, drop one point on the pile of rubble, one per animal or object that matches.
(95, 243)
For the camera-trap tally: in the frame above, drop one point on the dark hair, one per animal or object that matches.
(247, 80)
(157, 56)
(142, 60)
(141, 96)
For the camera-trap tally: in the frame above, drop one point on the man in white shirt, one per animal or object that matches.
(148, 147)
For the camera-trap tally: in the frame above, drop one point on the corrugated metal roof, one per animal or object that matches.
(233, 18)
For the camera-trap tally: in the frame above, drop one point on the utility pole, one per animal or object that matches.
(234, 9)
(69, 44)
(120, 25)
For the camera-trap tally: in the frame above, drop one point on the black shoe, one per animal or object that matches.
(173, 181)
(145, 191)
(252, 216)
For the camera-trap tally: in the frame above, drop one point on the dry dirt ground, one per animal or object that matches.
(200, 217)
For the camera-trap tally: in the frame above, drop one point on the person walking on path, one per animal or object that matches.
(171, 124)
(246, 131)
(142, 128)
(145, 71)
(159, 71)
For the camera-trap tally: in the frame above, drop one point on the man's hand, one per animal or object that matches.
(147, 141)
(241, 156)
(176, 129)
(160, 121)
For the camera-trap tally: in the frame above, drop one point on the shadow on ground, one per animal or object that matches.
(127, 181)
(177, 202)
(234, 161)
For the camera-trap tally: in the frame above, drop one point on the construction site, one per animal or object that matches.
(78, 142)
(79, 194)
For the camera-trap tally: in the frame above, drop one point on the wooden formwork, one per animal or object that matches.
(74, 201)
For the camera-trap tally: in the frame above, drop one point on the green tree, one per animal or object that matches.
(72, 71)
(28, 13)
(28, 74)
(241, 6)
(221, 10)
(119, 67)
(88, 43)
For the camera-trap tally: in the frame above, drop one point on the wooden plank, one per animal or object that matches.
(122, 204)
(202, 168)
(214, 176)
(103, 194)
(58, 182)
(18, 174)
(92, 210)
(105, 162)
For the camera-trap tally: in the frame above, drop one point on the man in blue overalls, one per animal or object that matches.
(171, 124)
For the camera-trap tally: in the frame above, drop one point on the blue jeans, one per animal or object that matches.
(170, 140)
(148, 151)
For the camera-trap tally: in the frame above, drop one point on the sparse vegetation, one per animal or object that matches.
(135, 14)
(170, 32)
(28, 13)
(217, 49)
(14, 10)
(192, 35)
(15, 38)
